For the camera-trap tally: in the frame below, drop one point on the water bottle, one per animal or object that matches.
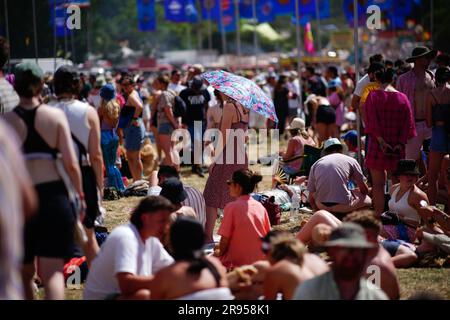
(295, 205)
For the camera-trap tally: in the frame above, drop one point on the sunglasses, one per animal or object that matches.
(230, 182)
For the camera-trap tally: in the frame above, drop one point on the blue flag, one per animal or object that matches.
(180, 10)
(348, 7)
(210, 9)
(58, 17)
(246, 9)
(265, 11)
(146, 15)
(284, 7)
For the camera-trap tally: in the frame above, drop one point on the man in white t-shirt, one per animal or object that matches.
(132, 253)
(363, 82)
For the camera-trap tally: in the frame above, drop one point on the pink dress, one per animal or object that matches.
(388, 114)
(338, 106)
(216, 191)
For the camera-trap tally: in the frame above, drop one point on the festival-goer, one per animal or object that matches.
(94, 98)
(167, 123)
(389, 124)
(134, 130)
(281, 96)
(109, 118)
(233, 126)
(332, 181)
(416, 85)
(194, 198)
(406, 200)
(172, 189)
(8, 97)
(288, 270)
(299, 138)
(323, 117)
(85, 129)
(131, 255)
(196, 97)
(17, 205)
(437, 112)
(44, 132)
(349, 251)
(175, 82)
(336, 99)
(193, 276)
(245, 222)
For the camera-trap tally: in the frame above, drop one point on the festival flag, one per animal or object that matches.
(309, 40)
(180, 10)
(246, 9)
(58, 17)
(284, 7)
(265, 11)
(210, 8)
(348, 7)
(146, 15)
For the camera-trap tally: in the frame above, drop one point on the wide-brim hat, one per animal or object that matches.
(297, 123)
(421, 52)
(349, 235)
(407, 167)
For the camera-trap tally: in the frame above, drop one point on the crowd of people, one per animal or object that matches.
(67, 140)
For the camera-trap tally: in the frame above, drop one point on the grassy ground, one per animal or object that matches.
(411, 280)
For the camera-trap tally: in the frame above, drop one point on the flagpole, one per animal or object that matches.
(54, 37)
(199, 19)
(209, 26)
(255, 34)
(35, 32)
(5, 3)
(432, 21)
(238, 31)
(299, 54)
(319, 28)
(65, 30)
(356, 43)
(222, 31)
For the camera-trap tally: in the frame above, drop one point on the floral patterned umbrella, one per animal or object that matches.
(243, 90)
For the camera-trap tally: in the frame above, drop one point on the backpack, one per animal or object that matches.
(273, 209)
(179, 106)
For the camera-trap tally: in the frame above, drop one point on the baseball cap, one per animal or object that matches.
(24, 70)
(351, 136)
(108, 92)
(331, 142)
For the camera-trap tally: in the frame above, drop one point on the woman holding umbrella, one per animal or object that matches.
(238, 95)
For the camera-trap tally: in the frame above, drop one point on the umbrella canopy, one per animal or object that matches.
(244, 91)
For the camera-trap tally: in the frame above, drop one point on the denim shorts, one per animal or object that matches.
(134, 136)
(440, 141)
(165, 128)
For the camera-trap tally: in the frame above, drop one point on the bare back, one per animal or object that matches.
(51, 124)
(174, 281)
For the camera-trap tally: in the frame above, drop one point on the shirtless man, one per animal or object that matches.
(416, 84)
(378, 256)
(290, 266)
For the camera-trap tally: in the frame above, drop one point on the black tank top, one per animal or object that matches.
(33, 143)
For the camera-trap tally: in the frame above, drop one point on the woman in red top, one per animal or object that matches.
(244, 223)
(389, 124)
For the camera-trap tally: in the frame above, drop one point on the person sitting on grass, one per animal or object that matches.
(194, 198)
(288, 268)
(193, 275)
(319, 228)
(244, 223)
(131, 254)
(349, 251)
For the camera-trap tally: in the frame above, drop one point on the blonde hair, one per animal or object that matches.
(286, 246)
(111, 108)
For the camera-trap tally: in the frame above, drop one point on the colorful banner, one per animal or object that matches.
(348, 7)
(146, 15)
(210, 8)
(180, 11)
(265, 11)
(309, 40)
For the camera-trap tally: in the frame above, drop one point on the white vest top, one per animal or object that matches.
(76, 113)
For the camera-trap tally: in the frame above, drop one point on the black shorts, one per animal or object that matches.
(91, 196)
(326, 115)
(50, 232)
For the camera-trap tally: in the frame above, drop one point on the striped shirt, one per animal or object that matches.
(8, 97)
